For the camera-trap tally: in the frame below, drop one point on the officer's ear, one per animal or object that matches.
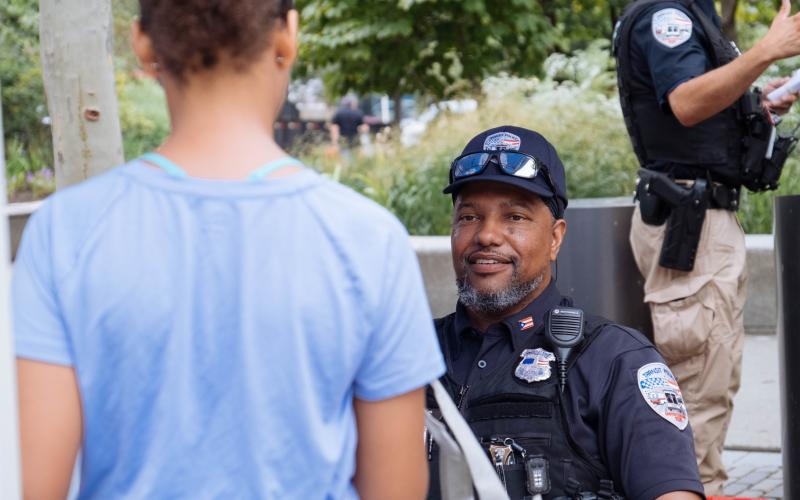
(558, 231)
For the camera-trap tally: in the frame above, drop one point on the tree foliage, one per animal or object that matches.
(23, 96)
(440, 48)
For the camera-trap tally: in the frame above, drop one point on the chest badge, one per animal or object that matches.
(661, 392)
(535, 365)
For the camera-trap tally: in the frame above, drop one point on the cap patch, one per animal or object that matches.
(502, 141)
(661, 392)
(671, 27)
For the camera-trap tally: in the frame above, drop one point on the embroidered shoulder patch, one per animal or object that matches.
(671, 27)
(661, 392)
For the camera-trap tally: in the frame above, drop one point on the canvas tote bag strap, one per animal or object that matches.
(462, 461)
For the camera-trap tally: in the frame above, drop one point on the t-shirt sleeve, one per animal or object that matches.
(403, 352)
(39, 331)
(652, 455)
(670, 60)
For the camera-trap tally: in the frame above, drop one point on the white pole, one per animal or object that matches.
(9, 442)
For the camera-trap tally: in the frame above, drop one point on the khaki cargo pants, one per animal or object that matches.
(698, 327)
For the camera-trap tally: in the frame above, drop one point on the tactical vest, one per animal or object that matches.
(533, 416)
(713, 146)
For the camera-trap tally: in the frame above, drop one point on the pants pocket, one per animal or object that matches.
(682, 327)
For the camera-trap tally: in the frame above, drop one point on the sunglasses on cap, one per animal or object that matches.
(511, 163)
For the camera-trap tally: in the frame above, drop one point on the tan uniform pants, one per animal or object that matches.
(698, 327)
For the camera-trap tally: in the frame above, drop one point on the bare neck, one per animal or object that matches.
(222, 125)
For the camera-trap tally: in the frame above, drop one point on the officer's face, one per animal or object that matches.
(503, 238)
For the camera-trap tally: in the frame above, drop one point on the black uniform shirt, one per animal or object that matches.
(475, 353)
(607, 413)
(665, 64)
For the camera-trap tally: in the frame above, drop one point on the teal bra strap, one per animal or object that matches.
(258, 174)
(265, 170)
(167, 165)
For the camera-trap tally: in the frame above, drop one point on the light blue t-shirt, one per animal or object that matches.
(219, 330)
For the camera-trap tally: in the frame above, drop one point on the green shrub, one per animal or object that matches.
(142, 114)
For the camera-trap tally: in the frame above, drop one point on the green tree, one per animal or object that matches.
(24, 104)
(434, 48)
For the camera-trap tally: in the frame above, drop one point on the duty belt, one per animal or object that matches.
(720, 196)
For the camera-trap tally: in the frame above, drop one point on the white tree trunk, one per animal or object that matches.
(9, 450)
(76, 40)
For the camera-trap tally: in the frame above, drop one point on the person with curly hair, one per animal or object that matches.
(214, 319)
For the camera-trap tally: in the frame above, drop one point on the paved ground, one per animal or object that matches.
(752, 454)
(756, 421)
(754, 474)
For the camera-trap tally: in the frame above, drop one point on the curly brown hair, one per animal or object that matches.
(191, 35)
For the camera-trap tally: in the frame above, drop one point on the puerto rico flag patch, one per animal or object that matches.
(661, 392)
(525, 323)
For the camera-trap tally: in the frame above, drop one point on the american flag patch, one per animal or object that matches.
(526, 323)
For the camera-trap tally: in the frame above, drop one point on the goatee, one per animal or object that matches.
(496, 302)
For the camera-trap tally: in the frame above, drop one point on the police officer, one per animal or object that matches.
(700, 135)
(601, 419)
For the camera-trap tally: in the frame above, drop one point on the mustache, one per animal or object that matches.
(483, 254)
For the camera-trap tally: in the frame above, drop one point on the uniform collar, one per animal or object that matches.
(520, 325)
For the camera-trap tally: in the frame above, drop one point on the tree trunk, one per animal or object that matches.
(76, 40)
(729, 20)
(9, 457)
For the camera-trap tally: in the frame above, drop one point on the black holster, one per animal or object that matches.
(684, 210)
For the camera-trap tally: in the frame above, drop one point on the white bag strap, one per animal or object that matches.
(459, 471)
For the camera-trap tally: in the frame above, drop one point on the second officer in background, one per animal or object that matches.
(700, 135)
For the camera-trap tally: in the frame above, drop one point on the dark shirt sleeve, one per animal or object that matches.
(669, 66)
(647, 453)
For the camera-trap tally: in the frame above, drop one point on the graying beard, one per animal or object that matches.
(495, 303)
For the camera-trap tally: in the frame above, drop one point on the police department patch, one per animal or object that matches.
(535, 365)
(502, 141)
(671, 27)
(661, 392)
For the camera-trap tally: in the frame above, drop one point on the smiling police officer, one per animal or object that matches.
(700, 135)
(567, 405)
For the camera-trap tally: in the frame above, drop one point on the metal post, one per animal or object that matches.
(9, 450)
(596, 266)
(787, 265)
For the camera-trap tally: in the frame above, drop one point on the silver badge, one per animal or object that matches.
(535, 365)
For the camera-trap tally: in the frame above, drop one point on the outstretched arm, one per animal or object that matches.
(390, 459)
(50, 425)
(703, 97)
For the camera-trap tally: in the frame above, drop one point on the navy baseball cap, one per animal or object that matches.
(519, 140)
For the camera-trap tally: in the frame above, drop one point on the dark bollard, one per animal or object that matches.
(787, 266)
(596, 265)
